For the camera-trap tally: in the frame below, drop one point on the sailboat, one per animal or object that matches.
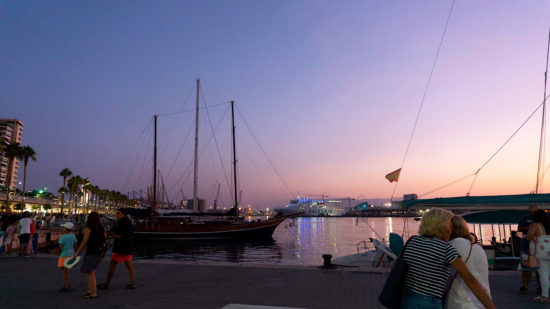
(214, 226)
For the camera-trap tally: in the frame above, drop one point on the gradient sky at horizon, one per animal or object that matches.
(330, 88)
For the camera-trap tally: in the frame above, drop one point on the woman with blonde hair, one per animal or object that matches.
(429, 257)
(460, 296)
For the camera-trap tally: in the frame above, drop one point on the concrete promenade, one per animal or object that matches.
(34, 283)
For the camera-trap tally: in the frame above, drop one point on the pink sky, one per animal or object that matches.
(330, 88)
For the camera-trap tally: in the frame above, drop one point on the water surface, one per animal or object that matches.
(299, 241)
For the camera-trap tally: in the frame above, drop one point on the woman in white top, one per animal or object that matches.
(540, 227)
(460, 296)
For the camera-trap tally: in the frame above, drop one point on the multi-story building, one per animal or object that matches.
(11, 131)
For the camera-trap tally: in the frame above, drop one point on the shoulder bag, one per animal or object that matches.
(392, 292)
(531, 260)
(542, 246)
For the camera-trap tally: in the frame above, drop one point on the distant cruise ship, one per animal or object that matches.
(308, 207)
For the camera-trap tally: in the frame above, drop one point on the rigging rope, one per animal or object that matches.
(190, 110)
(258, 170)
(200, 152)
(180, 150)
(115, 171)
(425, 93)
(264, 153)
(138, 153)
(508, 140)
(215, 139)
(487, 162)
(163, 144)
(543, 125)
(448, 184)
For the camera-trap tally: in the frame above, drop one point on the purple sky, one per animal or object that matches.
(331, 90)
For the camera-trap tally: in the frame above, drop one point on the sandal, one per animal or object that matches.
(542, 299)
(88, 295)
(131, 286)
(103, 286)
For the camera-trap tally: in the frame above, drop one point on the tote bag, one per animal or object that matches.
(392, 291)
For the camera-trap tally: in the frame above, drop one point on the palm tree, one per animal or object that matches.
(12, 151)
(64, 173)
(87, 188)
(27, 152)
(95, 195)
(73, 183)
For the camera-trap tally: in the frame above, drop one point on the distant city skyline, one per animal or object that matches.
(329, 89)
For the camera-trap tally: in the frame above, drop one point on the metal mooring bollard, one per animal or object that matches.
(327, 258)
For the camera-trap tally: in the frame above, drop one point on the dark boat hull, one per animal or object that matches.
(172, 228)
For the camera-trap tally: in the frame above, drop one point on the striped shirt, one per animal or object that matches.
(429, 262)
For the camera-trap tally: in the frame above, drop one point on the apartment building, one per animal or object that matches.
(11, 131)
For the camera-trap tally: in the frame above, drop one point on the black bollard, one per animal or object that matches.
(327, 258)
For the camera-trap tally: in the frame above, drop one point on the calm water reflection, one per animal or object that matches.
(295, 241)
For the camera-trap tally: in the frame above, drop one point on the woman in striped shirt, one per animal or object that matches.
(430, 257)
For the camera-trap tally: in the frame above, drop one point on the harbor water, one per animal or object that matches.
(300, 241)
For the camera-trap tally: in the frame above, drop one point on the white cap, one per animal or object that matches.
(68, 225)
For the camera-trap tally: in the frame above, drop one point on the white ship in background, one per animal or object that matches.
(308, 207)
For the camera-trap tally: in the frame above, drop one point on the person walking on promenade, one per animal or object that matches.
(94, 242)
(67, 246)
(10, 233)
(540, 226)
(32, 239)
(429, 257)
(523, 226)
(460, 296)
(122, 249)
(25, 235)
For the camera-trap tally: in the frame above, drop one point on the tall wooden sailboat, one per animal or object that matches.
(214, 226)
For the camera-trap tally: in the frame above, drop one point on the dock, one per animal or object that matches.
(34, 282)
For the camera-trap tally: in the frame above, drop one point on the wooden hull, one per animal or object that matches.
(174, 228)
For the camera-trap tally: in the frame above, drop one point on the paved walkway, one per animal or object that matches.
(34, 283)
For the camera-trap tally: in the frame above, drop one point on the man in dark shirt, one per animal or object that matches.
(523, 226)
(7, 218)
(122, 249)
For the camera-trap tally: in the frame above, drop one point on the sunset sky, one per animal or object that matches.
(329, 88)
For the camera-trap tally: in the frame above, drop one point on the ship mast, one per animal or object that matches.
(154, 204)
(217, 195)
(543, 125)
(195, 177)
(236, 205)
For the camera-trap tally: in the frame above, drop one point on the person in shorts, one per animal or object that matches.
(122, 249)
(25, 235)
(67, 245)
